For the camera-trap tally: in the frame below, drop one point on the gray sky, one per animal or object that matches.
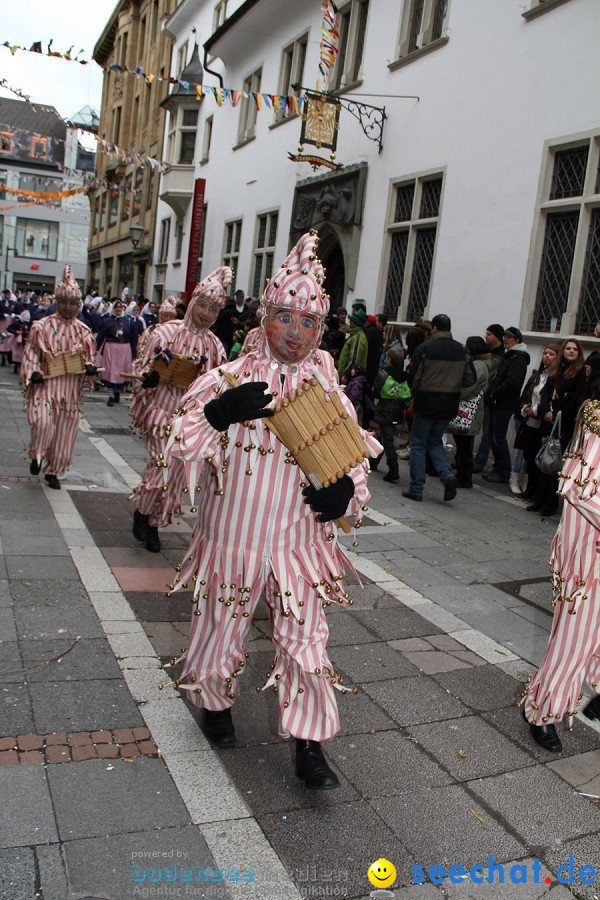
(66, 85)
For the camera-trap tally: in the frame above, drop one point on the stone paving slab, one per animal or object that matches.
(396, 764)
(87, 659)
(370, 662)
(26, 567)
(557, 815)
(342, 851)
(16, 716)
(90, 876)
(17, 873)
(45, 621)
(113, 797)
(396, 623)
(26, 813)
(420, 700)
(469, 748)
(581, 771)
(481, 688)
(152, 606)
(585, 853)
(83, 706)
(421, 824)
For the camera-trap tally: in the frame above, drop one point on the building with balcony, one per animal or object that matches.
(483, 200)
(39, 154)
(124, 200)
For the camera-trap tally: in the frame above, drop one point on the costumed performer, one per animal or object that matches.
(192, 338)
(554, 691)
(54, 405)
(117, 344)
(262, 529)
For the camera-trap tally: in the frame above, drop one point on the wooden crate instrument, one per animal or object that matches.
(180, 372)
(321, 436)
(69, 362)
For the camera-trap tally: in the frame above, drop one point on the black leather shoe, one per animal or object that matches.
(548, 509)
(545, 736)
(218, 727)
(391, 478)
(450, 489)
(410, 496)
(592, 710)
(117, 397)
(534, 507)
(35, 467)
(53, 482)
(152, 539)
(312, 768)
(110, 402)
(140, 526)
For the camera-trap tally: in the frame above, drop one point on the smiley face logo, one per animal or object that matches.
(381, 873)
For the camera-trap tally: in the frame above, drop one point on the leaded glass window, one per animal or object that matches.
(555, 270)
(568, 177)
(393, 293)
(421, 274)
(589, 305)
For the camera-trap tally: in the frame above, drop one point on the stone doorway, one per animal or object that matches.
(332, 257)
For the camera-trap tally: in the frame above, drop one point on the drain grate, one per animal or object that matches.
(111, 430)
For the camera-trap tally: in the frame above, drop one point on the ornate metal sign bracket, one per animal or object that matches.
(371, 118)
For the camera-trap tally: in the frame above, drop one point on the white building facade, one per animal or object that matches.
(484, 202)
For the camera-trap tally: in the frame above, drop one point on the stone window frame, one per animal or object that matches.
(586, 203)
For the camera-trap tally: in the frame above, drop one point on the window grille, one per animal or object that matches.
(589, 306)
(568, 177)
(404, 203)
(555, 270)
(395, 280)
(421, 274)
(264, 251)
(430, 198)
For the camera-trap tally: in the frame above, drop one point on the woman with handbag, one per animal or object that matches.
(563, 392)
(468, 422)
(531, 429)
(554, 691)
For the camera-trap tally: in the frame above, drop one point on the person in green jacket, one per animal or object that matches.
(356, 348)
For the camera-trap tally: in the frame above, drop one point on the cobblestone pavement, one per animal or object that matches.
(105, 778)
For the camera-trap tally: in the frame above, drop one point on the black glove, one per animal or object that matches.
(150, 379)
(90, 369)
(36, 378)
(331, 502)
(247, 401)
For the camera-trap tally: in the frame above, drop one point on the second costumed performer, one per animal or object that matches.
(262, 529)
(152, 412)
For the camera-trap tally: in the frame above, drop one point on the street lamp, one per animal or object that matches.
(136, 233)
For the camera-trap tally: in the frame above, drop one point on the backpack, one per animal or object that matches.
(394, 390)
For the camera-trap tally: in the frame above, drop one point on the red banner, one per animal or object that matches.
(195, 245)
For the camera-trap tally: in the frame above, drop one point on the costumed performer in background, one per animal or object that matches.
(54, 405)
(190, 337)
(554, 691)
(262, 529)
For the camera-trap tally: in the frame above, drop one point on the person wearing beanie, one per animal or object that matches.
(263, 529)
(54, 404)
(156, 402)
(356, 348)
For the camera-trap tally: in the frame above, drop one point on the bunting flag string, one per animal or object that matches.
(260, 98)
(16, 91)
(43, 195)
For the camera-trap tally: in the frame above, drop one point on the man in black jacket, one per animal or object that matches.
(439, 369)
(504, 395)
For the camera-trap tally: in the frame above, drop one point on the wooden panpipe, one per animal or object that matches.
(180, 371)
(318, 432)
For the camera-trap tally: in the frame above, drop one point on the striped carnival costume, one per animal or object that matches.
(257, 533)
(573, 653)
(54, 404)
(154, 402)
